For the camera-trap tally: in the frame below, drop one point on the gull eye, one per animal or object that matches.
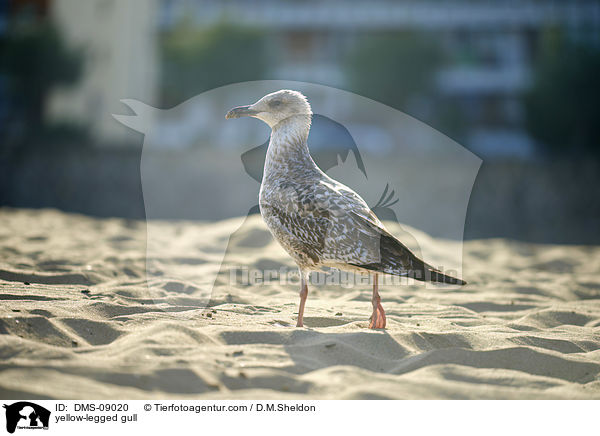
(275, 103)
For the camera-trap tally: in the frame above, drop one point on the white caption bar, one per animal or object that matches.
(24, 417)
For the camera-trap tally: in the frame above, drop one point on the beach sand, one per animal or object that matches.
(77, 321)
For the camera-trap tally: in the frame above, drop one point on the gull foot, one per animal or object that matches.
(378, 318)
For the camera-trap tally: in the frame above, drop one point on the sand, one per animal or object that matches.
(78, 321)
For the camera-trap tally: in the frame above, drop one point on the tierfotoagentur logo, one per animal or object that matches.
(25, 415)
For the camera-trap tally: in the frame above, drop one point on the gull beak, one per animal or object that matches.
(241, 111)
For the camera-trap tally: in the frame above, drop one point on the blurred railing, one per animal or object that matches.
(378, 15)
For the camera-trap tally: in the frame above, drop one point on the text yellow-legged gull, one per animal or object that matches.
(319, 221)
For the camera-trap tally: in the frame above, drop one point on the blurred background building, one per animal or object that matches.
(516, 82)
(474, 58)
(120, 39)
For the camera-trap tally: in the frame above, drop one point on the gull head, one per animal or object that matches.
(275, 107)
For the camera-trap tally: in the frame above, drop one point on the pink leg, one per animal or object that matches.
(303, 295)
(378, 316)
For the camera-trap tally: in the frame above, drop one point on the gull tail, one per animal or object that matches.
(432, 275)
(398, 260)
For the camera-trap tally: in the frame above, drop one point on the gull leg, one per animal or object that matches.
(303, 295)
(378, 316)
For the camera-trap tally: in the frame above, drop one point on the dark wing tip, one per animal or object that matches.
(439, 277)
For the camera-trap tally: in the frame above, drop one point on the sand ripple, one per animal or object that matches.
(78, 321)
